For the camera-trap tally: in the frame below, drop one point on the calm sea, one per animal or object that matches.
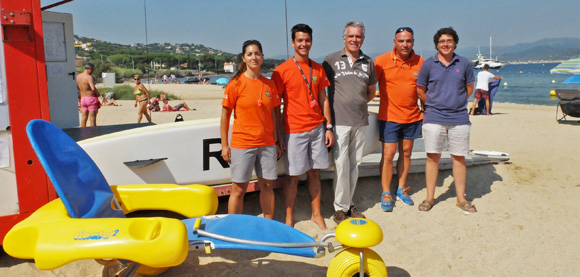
(529, 84)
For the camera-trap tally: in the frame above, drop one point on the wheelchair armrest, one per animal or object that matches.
(53, 239)
(187, 200)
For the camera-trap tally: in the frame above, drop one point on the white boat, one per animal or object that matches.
(481, 60)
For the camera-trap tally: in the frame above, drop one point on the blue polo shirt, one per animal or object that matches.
(446, 90)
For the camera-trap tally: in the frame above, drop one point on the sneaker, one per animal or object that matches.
(402, 195)
(386, 202)
(339, 216)
(355, 213)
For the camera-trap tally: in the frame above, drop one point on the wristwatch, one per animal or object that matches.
(329, 127)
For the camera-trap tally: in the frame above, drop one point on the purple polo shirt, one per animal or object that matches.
(446, 90)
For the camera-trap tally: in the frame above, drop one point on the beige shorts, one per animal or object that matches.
(306, 151)
(435, 135)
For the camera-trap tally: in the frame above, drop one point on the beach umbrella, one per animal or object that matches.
(572, 80)
(568, 67)
(222, 81)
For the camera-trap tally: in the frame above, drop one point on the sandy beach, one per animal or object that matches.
(527, 222)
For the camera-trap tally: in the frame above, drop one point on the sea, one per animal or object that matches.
(529, 84)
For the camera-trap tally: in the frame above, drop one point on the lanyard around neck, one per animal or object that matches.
(304, 76)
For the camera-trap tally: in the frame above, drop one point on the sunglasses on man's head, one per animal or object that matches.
(402, 29)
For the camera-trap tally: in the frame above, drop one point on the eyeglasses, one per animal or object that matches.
(136, 79)
(446, 41)
(402, 29)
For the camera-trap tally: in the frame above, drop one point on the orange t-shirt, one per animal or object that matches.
(398, 87)
(299, 115)
(253, 124)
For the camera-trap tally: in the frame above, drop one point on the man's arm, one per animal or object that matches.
(469, 88)
(94, 89)
(422, 93)
(371, 92)
(322, 99)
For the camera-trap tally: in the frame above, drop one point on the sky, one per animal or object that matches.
(226, 24)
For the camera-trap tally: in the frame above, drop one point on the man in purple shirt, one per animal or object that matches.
(444, 84)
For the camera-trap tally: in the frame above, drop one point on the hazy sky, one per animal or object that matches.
(226, 24)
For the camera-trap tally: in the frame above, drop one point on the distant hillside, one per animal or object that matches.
(544, 49)
(160, 56)
(109, 48)
(548, 49)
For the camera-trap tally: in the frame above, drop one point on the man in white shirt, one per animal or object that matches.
(482, 88)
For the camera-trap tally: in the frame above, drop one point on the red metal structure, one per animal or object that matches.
(26, 89)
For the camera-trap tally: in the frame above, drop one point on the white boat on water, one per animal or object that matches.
(481, 60)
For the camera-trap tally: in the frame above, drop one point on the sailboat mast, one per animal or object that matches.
(490, 57)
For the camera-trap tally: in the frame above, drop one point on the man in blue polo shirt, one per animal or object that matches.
(444, 84)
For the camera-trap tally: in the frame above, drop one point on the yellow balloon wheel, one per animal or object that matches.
(147, 270)
(347, 263)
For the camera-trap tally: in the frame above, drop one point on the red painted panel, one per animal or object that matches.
(28, 99)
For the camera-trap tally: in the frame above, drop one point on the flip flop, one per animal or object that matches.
(426, 206)
(468, 207)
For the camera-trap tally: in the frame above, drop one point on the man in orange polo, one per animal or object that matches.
(301, 83)
(399, 113)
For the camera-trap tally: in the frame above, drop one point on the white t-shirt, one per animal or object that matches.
(483, 80)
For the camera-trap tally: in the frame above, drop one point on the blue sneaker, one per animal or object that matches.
(402, 195)
(387, 202)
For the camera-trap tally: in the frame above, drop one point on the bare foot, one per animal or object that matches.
(319, 220)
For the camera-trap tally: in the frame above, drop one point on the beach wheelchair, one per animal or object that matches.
(88, 222)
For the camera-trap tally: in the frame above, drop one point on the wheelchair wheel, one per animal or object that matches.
(347, 263)
(147, 270)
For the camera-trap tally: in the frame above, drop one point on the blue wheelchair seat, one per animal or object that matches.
(76, 178)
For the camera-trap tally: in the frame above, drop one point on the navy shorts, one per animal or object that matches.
(392, 132)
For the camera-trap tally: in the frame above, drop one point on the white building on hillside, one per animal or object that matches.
(230, 67)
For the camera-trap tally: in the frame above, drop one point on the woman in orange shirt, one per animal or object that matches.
(253, 146)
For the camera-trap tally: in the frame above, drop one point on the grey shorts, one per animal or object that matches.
(262, 159)
(434, 135)
(306, 151)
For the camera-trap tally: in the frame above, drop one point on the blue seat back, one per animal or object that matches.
(76, 178)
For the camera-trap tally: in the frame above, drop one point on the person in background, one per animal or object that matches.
(108, 99)
(444, 84)
(252, 97)
(89, 101)
(307, 122)
(352, 86)
(482, 88)
(168, 108)
(154, 104)
(141, 99)
(399, 113)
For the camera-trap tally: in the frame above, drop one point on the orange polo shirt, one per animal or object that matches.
(299, 115)
(398, 87)
(253, 124)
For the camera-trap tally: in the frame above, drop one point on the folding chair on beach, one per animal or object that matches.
(569, 103)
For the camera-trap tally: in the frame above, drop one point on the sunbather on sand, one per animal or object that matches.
(168, 108)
